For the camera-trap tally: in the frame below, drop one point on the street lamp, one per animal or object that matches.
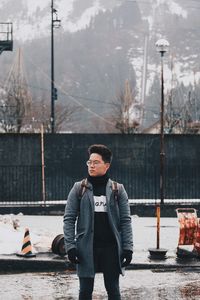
(162, 47)
(55, 23)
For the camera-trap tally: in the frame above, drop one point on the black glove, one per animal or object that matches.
(126, 257)
(72, 255)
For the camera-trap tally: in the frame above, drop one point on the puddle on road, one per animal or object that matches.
(137, 285)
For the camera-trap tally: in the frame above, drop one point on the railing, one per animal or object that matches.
(20, 184)
(6, 37)
(23, 184)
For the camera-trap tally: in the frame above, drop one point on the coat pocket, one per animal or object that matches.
(79, 235)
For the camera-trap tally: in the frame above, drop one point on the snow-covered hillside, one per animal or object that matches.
(101, 44)
(32, 18)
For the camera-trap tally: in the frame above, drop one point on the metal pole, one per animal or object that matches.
(162, 151)
(43, 166)
(52, 70)
(162, 155)
(158, 226)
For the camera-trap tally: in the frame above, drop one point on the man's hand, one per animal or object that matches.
(126, 257)
(73, 257)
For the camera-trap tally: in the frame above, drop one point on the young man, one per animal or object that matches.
(97, 226)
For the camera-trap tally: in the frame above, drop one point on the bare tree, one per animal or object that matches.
(18, 113)
(181, 114)
(15, 98)
(126, 112)
(64, 116)
(14, 109)
(182, 108)
(41, 115)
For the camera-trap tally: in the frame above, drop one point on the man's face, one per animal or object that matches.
(96, 165)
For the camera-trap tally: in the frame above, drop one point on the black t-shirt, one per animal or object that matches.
(103, 235)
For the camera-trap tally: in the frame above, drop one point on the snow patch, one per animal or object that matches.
(33, 5)
(138, 63)
(2, 3)
(85, 19)
(27, 31)
(177, 9)
(174, 9)
(185, 74)
(118, 48)
(65, 9)
(11, 236)
(40, 27)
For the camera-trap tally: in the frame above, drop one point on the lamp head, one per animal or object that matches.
(56, 23)
(162, 46)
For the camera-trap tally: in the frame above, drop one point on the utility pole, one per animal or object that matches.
(52, 71)
(162, 47)
(144, 78)
(55, 23)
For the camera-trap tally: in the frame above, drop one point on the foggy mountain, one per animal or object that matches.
(100, 45)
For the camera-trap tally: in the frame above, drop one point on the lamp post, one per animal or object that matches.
(55, 23)
(160, 253)
(162, 47)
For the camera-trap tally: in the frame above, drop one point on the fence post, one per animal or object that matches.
(43, 166)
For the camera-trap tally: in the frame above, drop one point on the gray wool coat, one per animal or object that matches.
(79, 224)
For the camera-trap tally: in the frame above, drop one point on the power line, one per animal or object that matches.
(75, 96)
(72, 97)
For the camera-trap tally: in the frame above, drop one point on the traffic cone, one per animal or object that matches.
(26, 250)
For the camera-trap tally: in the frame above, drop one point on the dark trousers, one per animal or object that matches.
(105, 261)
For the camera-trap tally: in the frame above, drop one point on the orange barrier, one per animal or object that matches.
(188, 223)
(197, 242)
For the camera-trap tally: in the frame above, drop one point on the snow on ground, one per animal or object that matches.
(12, 229)
(44, 229)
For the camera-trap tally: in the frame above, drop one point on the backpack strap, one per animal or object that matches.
(115, 190)
(82, 188)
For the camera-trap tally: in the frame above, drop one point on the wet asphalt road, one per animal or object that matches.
(140, 284)
(136, 285)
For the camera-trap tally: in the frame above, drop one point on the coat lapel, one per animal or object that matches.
(90, 194)
(108, 190)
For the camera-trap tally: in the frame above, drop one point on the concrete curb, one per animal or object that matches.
(139, 209)
(47, 262)
(12, 264)
(160, 266)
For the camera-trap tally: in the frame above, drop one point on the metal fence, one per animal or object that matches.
(23, 184)
(20, 183)
(135, 164)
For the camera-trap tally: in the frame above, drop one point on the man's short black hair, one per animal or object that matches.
(102, 150)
